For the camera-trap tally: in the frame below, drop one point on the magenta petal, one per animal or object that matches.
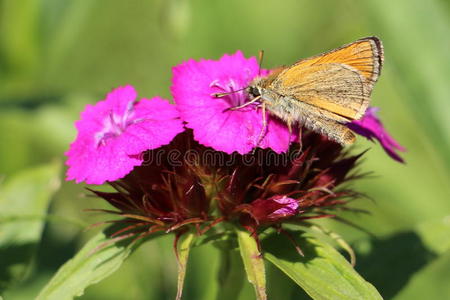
(113, 133)
(274, 208)
(194, 83)
(289, 208)
(156, 123)
(95, 166)
(371, 127)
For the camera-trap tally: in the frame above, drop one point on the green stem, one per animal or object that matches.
(253, 263)
(183, 248)
(231, 274)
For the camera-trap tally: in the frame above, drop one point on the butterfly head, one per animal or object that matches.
(254, 88)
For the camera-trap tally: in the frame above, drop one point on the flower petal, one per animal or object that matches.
(274, 209)
(113, 133)
(371, 127)
(214, 125)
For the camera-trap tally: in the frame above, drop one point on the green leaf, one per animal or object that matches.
(323, 272)
(24, 200)
(403, 254)
(184, 246)
(253, 263)
(99, 258)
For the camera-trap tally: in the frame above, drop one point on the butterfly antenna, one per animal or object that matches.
(260, 58)
(219, 95)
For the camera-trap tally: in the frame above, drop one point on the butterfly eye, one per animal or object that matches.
(253, 91)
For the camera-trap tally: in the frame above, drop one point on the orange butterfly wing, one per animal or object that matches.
(339, 81)
(365, 55)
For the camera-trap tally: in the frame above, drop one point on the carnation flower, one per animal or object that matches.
(371, 127)
(184, 187)
(113, 133)
(202, 184)
(181, 183)
(213, 123)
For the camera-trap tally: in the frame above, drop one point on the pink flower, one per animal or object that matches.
(214, 125)
(113, 133)
(371, 127)
(273, 209)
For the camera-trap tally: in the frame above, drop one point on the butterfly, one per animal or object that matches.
(323, 92)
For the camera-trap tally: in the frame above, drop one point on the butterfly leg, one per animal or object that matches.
(243, 105)
(264, 127)
(300, 138)
(289, 125)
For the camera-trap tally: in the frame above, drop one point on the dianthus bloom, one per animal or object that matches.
(214, 124)
(113, 133)
(204, 184)
(186, 188)
(371, 127)
(186, 183)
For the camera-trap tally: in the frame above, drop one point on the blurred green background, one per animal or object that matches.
(56, 56)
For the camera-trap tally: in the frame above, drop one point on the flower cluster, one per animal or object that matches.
(198, 163)
(185, 183)
(113, 134)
